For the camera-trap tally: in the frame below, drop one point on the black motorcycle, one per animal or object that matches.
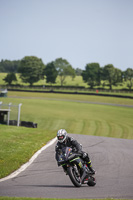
(76, 168)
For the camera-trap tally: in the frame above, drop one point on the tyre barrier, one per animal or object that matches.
(28, 124)
(23, 123)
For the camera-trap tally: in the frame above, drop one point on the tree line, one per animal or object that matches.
(32, 69)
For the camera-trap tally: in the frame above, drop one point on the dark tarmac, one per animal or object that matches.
(112, 159)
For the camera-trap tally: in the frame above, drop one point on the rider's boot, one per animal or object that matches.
(65, 169)
(90, 167)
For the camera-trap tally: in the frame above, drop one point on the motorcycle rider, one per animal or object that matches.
(66, 141)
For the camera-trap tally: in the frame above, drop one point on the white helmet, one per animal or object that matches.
(61, 135)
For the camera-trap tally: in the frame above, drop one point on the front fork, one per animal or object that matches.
(79, 166)
(83, 173)
(76, 170)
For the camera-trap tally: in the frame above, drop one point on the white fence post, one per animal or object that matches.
(0, 103)
(19, 107)
(8, 115)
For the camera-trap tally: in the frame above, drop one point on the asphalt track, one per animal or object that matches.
(112, 158)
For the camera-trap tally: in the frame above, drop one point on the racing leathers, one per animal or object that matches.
(76, 147)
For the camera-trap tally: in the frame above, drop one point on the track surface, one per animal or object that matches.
(112, 159)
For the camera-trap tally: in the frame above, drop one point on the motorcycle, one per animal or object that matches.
(75, 168)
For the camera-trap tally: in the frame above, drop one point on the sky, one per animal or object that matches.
(80, 31)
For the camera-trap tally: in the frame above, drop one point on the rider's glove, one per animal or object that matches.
(84, 154)
(58, 163)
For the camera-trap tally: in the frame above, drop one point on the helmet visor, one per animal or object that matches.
(61, 138)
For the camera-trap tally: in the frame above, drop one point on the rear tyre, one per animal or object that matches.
(91, 181)
(72, 174)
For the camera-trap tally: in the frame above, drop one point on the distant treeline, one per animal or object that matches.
(9, 66)
(32, 69)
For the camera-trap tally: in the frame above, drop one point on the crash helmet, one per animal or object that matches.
(61, 135)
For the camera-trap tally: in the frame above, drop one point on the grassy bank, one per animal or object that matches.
(18, 145)
(52, 112)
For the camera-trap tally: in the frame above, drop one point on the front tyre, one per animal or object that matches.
(74, 178)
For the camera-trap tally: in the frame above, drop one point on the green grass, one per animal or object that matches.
(18, 145)
(78, 81)
(52, 112)
(90, 98)
(2, 75)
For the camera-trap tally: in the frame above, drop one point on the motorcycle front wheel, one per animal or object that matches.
(74, 178)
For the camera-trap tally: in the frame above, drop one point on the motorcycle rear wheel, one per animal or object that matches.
(72, 174)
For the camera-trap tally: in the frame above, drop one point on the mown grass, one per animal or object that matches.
(81, 118)
(73, 97)
(52, 112)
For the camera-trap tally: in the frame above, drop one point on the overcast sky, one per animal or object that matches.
(80, 31)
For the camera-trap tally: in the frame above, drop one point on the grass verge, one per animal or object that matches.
(18, 145)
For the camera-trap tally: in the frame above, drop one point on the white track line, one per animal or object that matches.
(23, 167)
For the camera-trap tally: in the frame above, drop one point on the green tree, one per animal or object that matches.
(78, 71)
(129, 76)
(92, 74)
(31, 69)
(64, 69)
(9, 66)
(109, 74)
(51, 73)
(112, 75)
(118, 76)
(10, 78)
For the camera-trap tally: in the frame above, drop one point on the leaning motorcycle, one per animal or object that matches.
(75, 168)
